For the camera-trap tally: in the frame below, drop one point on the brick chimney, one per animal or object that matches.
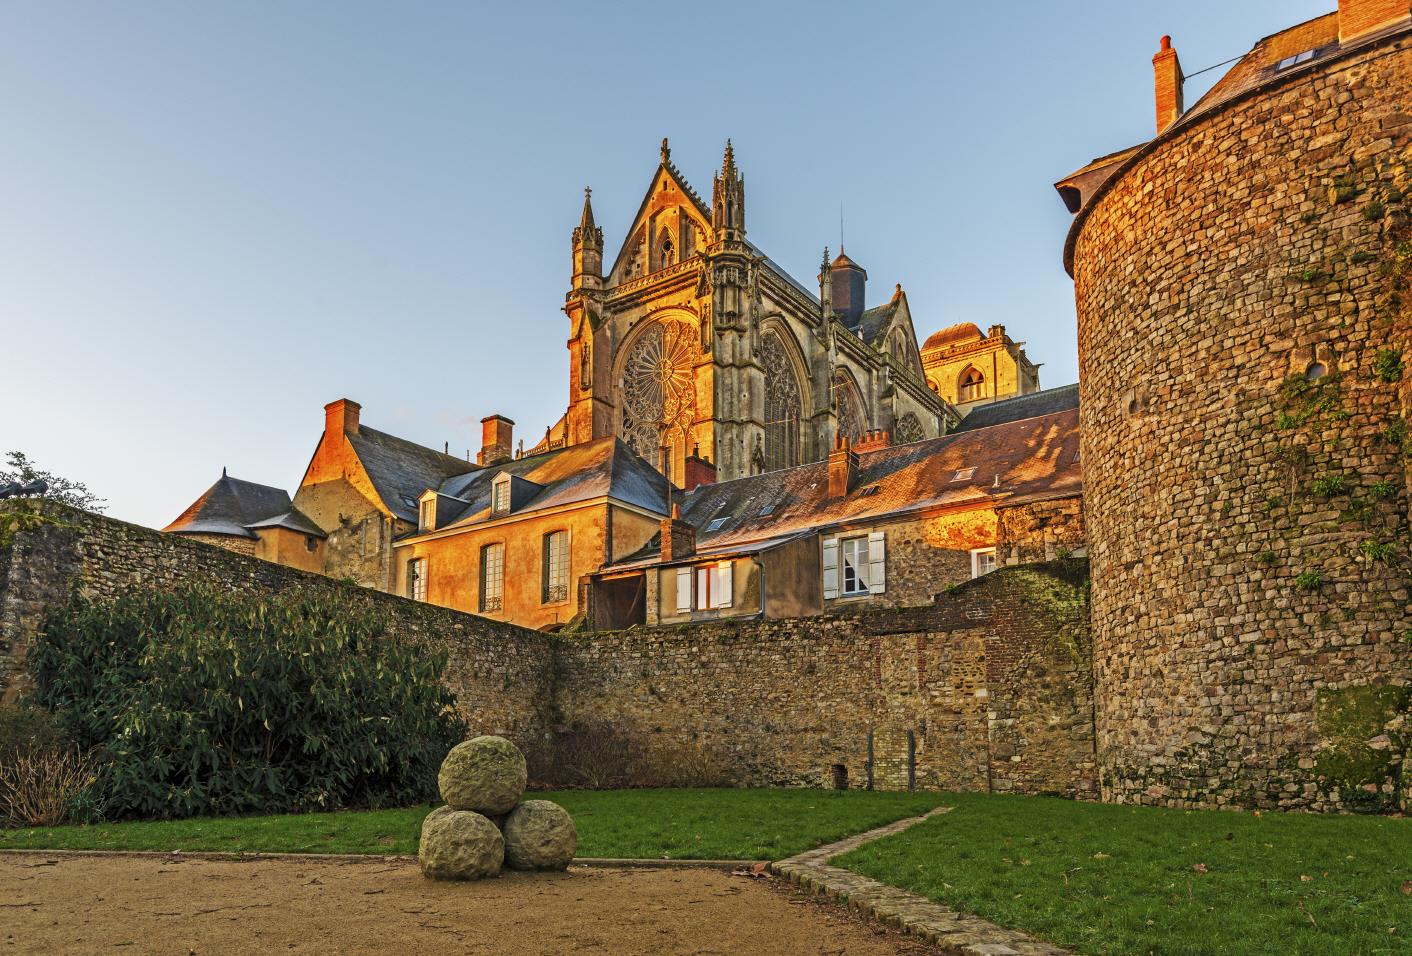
(843, 468)
(678, 537)
(699, 471)
(1358, 18)
(874, 440)
(1168, 79)
(341, 417)
(496, 440)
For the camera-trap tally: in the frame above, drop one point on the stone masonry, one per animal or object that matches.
(988, 688)
(1243, 322)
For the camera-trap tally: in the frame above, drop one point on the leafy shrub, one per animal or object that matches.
(1309, 580)
(203, 702)
(25, 728)
(1387, 365)
(1330, 485)
(44, 787)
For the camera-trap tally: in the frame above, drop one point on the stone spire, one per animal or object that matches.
(588, 246)
(728, 200)
(825, 286)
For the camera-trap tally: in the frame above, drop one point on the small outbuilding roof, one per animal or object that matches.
(234, 507)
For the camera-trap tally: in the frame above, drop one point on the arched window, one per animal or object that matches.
(782, 405)
(848, 407)
(972, 385)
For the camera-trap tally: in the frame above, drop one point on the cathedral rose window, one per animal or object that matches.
(659, 389)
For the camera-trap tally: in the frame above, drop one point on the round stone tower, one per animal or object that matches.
(1244, 293)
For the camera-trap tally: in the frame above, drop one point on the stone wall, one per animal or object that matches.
(1242, 344)
(1040, 531)
(989, 688)
(501, 674)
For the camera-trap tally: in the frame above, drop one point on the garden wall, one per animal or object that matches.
(989, 688)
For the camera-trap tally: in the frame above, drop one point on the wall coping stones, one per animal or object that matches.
(953, 932)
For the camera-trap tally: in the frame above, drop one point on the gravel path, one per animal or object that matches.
(118, 904)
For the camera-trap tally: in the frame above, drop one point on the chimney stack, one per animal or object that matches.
(843, 468)
(1357, 18)
(497, 440)
(678, 537)
(1168, 79)
(874, 440)
(699, 471)
(341, 417)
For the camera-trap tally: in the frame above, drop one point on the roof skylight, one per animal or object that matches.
(1295, 60)
(768, 509)
(716, 523)
(965, 474)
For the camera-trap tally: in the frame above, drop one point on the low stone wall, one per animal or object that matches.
(502, 674)
(988, 688)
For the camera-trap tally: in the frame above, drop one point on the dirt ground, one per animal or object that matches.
(122, 904)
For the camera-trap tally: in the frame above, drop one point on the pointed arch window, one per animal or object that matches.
(783, 408)
(848, 407)
(972, 385)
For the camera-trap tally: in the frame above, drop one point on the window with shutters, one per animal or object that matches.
(855, 566)
(492, 577)
(683, 590)
(713, 586)
(853, 554)
(556, 567)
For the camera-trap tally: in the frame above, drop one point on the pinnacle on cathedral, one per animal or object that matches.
(586, 228)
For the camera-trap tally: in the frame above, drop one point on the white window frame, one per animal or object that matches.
(714, 586)
(492, 598)
(853, 560)
(417, 579)
(555, 587)
(977, 561)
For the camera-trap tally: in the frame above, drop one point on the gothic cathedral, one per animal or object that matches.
(695, 342)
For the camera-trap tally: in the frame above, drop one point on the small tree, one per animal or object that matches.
(21, 470)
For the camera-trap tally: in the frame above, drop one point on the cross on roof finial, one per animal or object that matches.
(666, 151)
(587, 192)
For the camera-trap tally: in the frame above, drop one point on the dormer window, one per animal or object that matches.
(500, 495)
(426, 512)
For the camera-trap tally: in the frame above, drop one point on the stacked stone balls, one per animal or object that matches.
(484, 826)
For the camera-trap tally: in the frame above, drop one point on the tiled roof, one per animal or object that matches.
(1014, 462)
(293, 519)
(961, 332)
(1047, 402)
(604, 467)
(231, 506)
(401, 468)
(1259, 65)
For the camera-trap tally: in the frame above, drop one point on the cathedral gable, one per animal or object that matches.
(671, 226)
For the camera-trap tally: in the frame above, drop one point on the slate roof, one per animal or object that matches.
(872, 323)
(603, 467)
(1034, 459)
(1046, 402)
(399, 467)
(232, 507)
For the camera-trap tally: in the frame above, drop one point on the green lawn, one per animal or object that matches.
(1121, 880)
(641, 824)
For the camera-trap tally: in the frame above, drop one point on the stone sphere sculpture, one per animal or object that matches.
(539, 835)
(460, 845)
(484, 774)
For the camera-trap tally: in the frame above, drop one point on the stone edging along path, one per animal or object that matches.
(953, 932)
(256, 856)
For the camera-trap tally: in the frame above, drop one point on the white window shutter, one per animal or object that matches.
(683, 590)
(721, 595)
(703, 589)
(877, 562)
(831, 568)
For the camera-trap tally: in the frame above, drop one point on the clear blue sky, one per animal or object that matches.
(214, 218)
